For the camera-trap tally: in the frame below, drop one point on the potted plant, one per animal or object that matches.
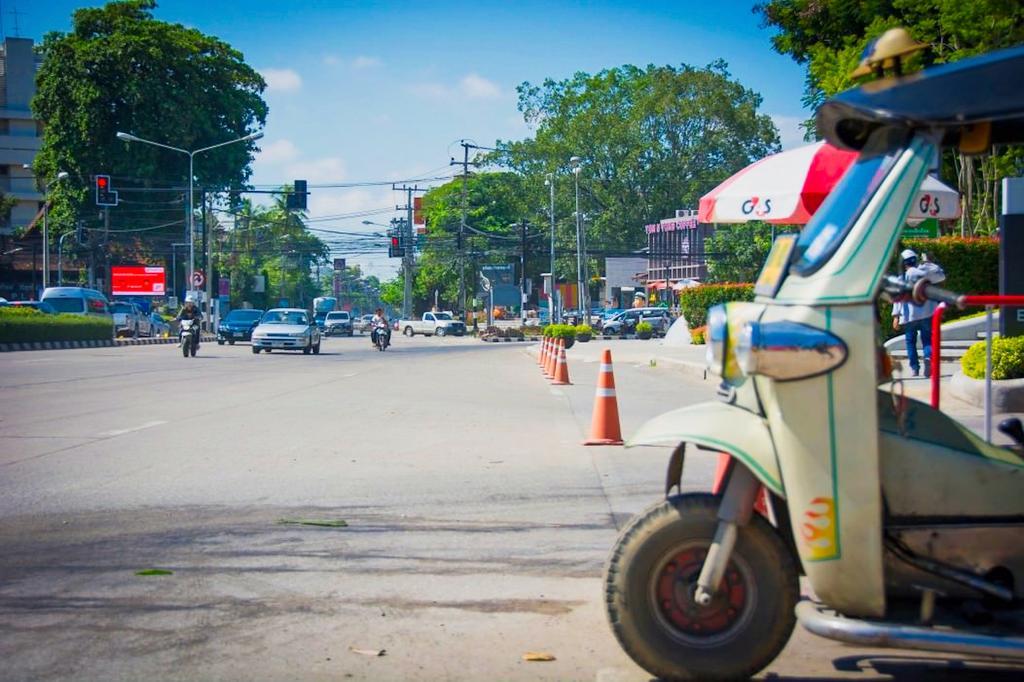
(566, 332)
(584, 333)
(644, 330)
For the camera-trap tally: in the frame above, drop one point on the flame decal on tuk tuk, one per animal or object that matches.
(819, 529)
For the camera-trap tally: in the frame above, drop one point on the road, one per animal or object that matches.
(476, 526)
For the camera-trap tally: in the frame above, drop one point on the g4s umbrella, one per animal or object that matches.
(788, 188)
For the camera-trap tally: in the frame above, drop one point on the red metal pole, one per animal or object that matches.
(992, 299)
(936, 358)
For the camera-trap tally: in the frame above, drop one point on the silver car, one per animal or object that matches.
(286, 329)
(129, 320)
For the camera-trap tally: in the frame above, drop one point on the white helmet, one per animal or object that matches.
(908, 254)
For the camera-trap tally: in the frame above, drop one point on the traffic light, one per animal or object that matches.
(396, 249)
(296, 199)
(105, 196)
(80, 232)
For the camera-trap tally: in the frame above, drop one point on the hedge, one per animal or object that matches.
(20, 325)
(1007, 359)
(971, 265)
(560, 331)
(695, 301)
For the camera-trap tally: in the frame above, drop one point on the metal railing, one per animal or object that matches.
(988, 301)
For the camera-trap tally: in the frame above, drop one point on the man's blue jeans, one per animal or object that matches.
(910, 332)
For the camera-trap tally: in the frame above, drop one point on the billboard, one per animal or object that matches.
(137, 280)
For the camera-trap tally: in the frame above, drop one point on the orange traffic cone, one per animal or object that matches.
(604, 425)
(542, 358)
(561, 374)
(549, 366)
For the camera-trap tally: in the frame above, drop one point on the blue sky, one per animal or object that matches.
(366, 91)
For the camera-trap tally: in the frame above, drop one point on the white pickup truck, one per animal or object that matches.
(433, 324)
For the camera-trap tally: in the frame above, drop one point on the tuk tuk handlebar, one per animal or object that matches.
(922, 291)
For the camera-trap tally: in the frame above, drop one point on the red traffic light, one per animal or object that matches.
(101, 181)
(394, 242)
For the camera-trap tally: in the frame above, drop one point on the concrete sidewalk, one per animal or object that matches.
(690, 360)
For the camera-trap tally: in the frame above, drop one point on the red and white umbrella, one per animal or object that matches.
(788, 188)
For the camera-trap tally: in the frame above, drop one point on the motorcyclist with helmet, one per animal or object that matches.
(190, 311)
(379, 325)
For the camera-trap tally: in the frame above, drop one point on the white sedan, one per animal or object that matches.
(286, 329)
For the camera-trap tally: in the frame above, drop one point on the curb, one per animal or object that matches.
(107, 343)
(1007, 394)
(499, 340)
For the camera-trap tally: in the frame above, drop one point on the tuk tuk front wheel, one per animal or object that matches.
(651, 578)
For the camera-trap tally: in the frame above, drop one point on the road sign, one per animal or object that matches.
(198, 279)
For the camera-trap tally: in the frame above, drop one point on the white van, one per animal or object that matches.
(78, 301)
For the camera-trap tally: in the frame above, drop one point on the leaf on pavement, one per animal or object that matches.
(326, 523)
(368, 652)
(154, 571)
(538, 656)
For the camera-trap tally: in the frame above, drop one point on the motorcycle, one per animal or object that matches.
(188, 337)
(908, 526)
(380, 338)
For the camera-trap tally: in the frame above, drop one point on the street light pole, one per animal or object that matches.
(128, 137)
(61, 175)
(550, 182)
(575, 161)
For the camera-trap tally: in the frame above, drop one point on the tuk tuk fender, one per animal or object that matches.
(720, 427)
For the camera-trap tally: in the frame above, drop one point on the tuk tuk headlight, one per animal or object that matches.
(718, 328)
(786, 351)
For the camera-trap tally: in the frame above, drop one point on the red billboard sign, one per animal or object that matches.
(137, 280)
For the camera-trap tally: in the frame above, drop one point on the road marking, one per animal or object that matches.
(121, 432)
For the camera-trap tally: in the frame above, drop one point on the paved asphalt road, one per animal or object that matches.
(477, 526)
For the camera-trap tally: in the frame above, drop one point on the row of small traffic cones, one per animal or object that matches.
(604, 425)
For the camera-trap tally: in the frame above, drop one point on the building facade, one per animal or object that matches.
(21, 135)
(675, 249)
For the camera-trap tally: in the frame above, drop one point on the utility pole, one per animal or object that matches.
(207, 210)
(554, 280)
(408, 256)
(522, 271)
(462, 222)
(108, 285)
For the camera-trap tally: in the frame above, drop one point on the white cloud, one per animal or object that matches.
(281, 80)
(331, 60)
(278, 151)
(364, 62)
(790, 133)
(477, 87)
(326, 169)
(430, 90)
(471, 86)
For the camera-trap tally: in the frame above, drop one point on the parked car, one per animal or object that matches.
(363, 323)
(433, 324)
(78, 301)
(161, 327)
(41, 306)
(238, 325)
(286, 329)
(338, 323)
(129, 320)
(626, 322)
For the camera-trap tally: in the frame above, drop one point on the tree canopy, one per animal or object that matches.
(828, 36)
(651, 140)
(120, 69)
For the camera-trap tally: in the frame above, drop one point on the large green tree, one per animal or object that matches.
(828, 37)
(651, 140)
(121, 69)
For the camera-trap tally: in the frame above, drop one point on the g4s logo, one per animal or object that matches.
(757, 207)
(928, 204)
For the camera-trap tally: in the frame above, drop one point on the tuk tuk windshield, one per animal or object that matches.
(822, 236)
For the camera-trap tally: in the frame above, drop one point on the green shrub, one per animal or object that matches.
(971, 265)
(584, 330)
(22, 325)
(1007, 359)
(695, 301)
(560, 331)
(644, 328)
(698, 336)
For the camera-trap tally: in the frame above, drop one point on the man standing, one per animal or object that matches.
(917, 319)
